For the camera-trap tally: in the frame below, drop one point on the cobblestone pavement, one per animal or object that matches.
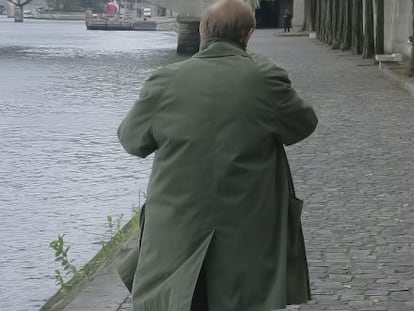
(356, 175)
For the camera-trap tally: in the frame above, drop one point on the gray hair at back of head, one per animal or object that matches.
(229, 20)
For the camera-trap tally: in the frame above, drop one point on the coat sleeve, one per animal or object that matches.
(294, 119)
(136, 131)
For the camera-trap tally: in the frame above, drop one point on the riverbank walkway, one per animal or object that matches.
(356, 175)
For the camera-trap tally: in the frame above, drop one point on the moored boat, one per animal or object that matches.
(103, 24)
(113, 19)
(116, 24)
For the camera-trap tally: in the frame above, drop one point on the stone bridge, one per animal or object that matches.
(191, 8)
(188, 18)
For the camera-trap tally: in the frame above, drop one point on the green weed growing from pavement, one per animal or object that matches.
(111, 248)
(114, 237)
(61, 256)
(113, 234)
(114, 228)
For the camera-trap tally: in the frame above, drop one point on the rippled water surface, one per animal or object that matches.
(63, 92)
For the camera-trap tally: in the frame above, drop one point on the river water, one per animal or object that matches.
(63, 93)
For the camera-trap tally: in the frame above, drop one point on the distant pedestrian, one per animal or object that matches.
(287, 21)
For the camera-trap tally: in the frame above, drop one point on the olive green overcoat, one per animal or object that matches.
(218, 195)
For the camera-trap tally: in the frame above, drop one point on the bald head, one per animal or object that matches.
(231, 20)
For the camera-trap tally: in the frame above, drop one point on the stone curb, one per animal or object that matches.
(292, 34)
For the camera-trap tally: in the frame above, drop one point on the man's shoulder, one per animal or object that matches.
(267, 66)
(170, 68)
(163, 74)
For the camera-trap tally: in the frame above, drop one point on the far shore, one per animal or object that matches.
(57, 15)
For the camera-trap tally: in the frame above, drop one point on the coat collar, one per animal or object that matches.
(220, 48)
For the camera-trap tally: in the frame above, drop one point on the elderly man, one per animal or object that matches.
(222, 226)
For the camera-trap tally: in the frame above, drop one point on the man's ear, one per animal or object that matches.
(249, 34)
